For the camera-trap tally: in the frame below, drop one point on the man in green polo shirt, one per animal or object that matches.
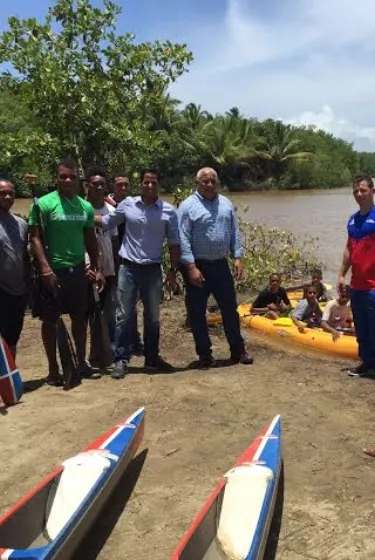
(60, 234)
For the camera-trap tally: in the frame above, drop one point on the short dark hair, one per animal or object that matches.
(317, 270)
(93, 171)
(153, 170)
(275, 274)
(69, 163)
(366, 178)
(307, 288)
(120, 174)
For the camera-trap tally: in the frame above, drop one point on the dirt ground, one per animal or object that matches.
(197, 424)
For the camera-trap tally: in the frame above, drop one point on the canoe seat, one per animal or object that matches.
(243, 499)
(79, 476)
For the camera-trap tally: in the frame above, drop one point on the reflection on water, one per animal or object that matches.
(320, 213)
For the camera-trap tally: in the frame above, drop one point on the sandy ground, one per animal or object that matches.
(197, 424)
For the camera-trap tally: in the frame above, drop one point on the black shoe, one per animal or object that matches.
(245, 358)
(158, 365)
(362, 370)
(205, 361)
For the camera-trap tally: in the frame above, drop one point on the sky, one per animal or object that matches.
(307, 62)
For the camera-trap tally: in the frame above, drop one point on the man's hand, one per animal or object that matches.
(196, 278)
(238, 268)
(272, 307)
(170, 280)
(335, 336)
(90, 274)
(340, 282)
(301, 329)
(99, 280)
(51, 282)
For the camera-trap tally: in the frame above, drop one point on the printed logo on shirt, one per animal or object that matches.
(69, 217)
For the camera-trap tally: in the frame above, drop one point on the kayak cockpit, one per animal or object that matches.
(42, 517)
(231, 525)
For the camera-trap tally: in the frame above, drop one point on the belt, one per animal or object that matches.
(127, 262)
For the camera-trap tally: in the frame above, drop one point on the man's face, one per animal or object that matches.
(316, 278)
(311, 294)
(96, 186)
(121, 188)
(363, 193)
(7, 195)
(274, 283)
(150, 185)
(208, 184)
(67, 181)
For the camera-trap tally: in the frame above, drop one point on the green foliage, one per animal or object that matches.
(270, 250)
(79, 88)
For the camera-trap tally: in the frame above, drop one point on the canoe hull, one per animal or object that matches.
(11, 386)
(119, 446)
(201, 542)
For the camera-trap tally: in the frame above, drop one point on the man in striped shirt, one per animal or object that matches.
(208, 235)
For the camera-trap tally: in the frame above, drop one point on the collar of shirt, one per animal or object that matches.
(203, 199)
(138, 200)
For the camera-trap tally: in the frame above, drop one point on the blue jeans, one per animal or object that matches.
(147, 281)
(219, 282)
(363, 309)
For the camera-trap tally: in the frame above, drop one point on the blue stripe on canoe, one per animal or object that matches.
(122, 441)
(271, 455)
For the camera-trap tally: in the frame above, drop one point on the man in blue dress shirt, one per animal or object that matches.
(208, 235)
(148, 222)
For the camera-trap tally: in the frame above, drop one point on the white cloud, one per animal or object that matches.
(314, 54)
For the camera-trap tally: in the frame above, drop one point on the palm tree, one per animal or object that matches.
(195, 116)
(279, 147)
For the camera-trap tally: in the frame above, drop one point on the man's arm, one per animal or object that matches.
(173, 238)
(235, 239)
(297, 315)
(91, 245)
(236, 248)
(187, 258)
(345, 265)
(113, 219)
(38, 249)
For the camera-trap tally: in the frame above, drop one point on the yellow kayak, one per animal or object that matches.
(316, 339)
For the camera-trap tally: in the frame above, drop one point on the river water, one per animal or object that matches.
(320, 213)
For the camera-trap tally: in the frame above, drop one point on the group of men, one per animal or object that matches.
(114, 245)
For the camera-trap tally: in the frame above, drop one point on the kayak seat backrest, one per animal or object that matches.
(79, 476)
(244, 495)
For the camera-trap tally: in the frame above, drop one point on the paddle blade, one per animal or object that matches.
(67, 357)
(11, 386)
(101, 353)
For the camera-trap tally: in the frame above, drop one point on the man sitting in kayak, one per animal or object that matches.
(321, 290)
(272, 301)
(337, 314)
(307, 310)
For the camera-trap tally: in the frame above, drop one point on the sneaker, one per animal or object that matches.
(361, 371)
(158, 365)
(119, 370)
(245, 358)
(205, 361)
(55, 381)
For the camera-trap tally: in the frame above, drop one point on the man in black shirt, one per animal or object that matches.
(273, 300)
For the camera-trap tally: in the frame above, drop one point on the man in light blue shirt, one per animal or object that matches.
(149, 221)
(209, 233)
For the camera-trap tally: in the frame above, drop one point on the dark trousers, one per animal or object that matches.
(363, 309)
(219, 283)
(12, 313)
(147, 282)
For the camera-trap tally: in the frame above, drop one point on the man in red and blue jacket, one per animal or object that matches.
(359, 255)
